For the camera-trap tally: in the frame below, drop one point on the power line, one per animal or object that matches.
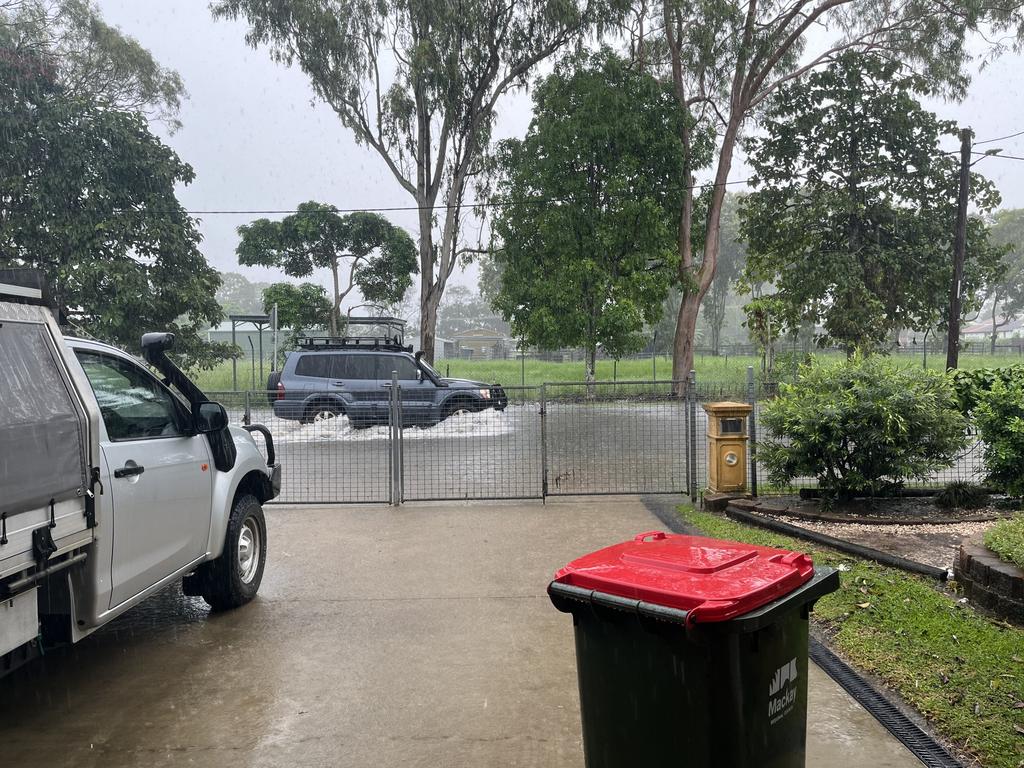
(1000, 138)
(398, 208)
(998, 156)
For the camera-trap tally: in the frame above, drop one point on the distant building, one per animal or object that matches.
(983, 330)
(482, 344)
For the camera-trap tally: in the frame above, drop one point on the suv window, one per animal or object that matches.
(317, 366)
(388, 363)
(359, 367)
(134, 404)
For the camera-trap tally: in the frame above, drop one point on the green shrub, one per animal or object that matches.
(970, 385)
(961, 494)
(1006, 539)
(999, 414)
(860, 425)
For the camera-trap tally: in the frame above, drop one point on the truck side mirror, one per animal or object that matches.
(209, 417)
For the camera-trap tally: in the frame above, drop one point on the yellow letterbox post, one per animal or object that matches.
(727, 446)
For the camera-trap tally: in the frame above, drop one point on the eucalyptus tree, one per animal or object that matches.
(417, 81)
(725, 58)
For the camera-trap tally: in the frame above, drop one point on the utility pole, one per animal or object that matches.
(959, 251)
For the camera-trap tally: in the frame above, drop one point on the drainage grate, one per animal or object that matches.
(923, 746)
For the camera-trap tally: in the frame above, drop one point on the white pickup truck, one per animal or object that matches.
(113, 485)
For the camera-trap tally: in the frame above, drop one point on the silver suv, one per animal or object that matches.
(351, 376)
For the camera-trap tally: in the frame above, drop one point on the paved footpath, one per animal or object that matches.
(420, 636)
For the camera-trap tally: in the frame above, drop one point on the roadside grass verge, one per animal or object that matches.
(964, 672)
(727, 373)
(1006, 539)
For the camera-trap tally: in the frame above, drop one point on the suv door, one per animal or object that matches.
(418, 395)
(364, 394)
(160, 478)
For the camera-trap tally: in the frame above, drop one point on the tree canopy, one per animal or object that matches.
(91, 59)
(299, 307)
(591, 262)
(380, 257)
(1006, 293)
(852, 220)
(418, 83)
(87, 195)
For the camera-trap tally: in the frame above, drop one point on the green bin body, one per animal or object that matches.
(659, 690)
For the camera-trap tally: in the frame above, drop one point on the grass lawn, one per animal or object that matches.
(964, 672)
(1006, 539)
(730, 373)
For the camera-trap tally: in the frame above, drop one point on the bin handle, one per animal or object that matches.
(653, 535)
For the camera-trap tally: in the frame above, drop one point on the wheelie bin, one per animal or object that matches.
(691, 651)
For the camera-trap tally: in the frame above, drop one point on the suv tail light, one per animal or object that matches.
(280, 391)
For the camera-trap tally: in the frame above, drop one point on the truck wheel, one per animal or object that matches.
(321, 411)
(234, 578)
(272, 381)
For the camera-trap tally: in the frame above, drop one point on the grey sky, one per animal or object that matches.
(258, 140)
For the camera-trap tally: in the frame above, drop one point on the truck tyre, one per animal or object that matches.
(234, 578)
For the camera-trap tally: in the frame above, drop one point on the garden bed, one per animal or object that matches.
(961, 670)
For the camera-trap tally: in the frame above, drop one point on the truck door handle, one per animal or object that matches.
(127, 471)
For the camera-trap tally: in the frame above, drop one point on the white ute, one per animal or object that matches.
(113, 486)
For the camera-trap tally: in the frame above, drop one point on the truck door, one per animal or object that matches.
(160, 482)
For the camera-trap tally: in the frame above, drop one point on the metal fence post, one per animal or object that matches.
(247, 416)
(544, 441)
(691, 394)
(395, 419)
(752, 399)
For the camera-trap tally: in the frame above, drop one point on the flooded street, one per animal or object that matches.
(417, 637)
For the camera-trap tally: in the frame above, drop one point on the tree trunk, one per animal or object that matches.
(682, 344)
(428, 300)
(591, 362)
(336, 304)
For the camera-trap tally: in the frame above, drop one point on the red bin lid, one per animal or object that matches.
(712, 579)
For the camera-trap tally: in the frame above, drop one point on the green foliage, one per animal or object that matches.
(851, 221)
(238, 296)
(299, 307)
(971, 384)
(957, 668)
(87, 194)
(90, 59)
(418, 82)
(1007, 292)
(766, 319)
(1006, 539)
(961, 494)
(591, 266)
(999, 414)
(381, 257)
(860, 425)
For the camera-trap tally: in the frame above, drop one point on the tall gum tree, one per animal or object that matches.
(725, 57)
(417, 81)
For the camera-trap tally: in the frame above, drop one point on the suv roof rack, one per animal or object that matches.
(385, 343)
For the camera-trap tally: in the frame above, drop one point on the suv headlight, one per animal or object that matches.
(485, 393)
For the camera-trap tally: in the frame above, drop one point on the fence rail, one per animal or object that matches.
(548, 440)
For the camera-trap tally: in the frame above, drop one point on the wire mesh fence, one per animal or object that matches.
(472, 450)
(529, 442)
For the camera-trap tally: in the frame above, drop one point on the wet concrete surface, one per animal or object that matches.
(420, 636)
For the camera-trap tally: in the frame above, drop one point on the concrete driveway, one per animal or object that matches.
(420, 636)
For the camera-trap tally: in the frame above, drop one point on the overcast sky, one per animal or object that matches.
(259, 140)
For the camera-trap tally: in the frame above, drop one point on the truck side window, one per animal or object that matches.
(133, 404)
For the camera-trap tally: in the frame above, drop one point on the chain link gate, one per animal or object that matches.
(556, 439)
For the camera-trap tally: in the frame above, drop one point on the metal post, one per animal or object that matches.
(752, 428)
(654, 357)
(543, 441)
(262, 377)
(691, 393)
(395, 417)
(273, 316)
(247, 417)
(234, 359)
